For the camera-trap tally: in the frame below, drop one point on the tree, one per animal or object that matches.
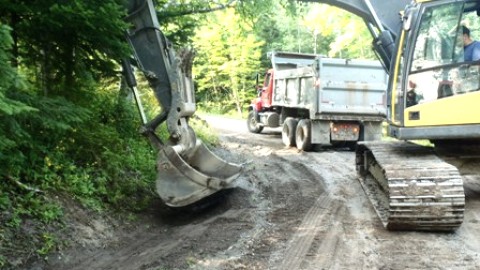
(66, 44)
(228, 57)
(345, 33)
(10, 81)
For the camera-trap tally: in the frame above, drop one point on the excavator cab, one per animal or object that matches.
(188, 171)
(431, 65)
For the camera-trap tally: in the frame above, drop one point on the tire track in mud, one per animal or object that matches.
(301, 241)
(469, 169)
(330, 240)
(289, 189)
(315, 237)
(345, 227)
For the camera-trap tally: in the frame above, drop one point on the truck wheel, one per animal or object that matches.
(252, 123)
(288, 131)
(303, 136)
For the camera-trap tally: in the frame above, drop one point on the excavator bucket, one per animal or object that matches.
(182, 182)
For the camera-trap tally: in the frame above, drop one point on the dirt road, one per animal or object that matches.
(289, 210)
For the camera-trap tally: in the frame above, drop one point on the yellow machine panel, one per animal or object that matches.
(454, 110)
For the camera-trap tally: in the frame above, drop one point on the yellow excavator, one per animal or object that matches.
(433, 95)
(188, 172)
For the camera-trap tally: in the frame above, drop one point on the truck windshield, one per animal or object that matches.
(267, 79)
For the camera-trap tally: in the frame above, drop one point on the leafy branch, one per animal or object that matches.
(170, 13)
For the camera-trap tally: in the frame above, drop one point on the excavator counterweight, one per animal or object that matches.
(187, 170)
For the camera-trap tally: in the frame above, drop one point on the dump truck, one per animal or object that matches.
(320, 101)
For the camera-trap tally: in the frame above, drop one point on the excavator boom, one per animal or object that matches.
(187, 171)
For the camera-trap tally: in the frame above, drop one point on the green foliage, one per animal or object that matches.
(90, 154)
(64, 128)
(9, 82)
(49, 243)
(203, 131)
(346, 33)
(60, 45)
(177, 28)
(104, 159)
(313, 28)
(224, 70)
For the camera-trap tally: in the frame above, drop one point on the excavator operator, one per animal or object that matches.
(471, 47)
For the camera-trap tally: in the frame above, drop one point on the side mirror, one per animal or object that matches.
(257, 79)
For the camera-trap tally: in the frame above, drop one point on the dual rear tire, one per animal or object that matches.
(297, 133)
(288, 131)
(303, 137)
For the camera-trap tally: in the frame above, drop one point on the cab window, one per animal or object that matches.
(438, 68)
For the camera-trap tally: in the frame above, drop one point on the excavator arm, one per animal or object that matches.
(188, 171)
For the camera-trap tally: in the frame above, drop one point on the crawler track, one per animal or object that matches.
(414, 189)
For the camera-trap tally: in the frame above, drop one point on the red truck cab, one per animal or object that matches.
(264, 98)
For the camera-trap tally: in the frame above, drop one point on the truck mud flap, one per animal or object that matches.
(183, 181)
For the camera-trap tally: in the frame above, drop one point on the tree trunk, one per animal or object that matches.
(14, 20)
(45, 76)
(69, 62)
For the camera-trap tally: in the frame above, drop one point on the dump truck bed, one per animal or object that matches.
(330, 87)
